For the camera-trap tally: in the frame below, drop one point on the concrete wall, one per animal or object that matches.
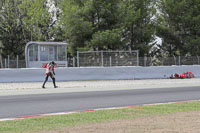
(98, 73)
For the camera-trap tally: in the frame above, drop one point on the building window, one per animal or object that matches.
(44, 53)
(61, 53)
(48, 53)
(33, 53)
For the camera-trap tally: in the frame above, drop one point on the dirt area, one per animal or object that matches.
(99, 85)
(187, 122)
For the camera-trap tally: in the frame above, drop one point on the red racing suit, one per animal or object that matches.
(50, 70)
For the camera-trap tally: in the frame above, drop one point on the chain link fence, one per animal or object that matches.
(111, 59)
(169, 61)
(129, 58)
(12, 63)
(107, 58)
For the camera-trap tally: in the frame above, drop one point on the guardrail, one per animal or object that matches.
(96, 73)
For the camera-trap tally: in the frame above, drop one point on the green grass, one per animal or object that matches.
(57, 122)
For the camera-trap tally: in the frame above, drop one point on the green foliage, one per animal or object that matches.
(75, 29)
(37, 19)
(11, 29)
(83, 21)
(182, 19)
(139, 24)
(23, 21)
(108, 25)
(107, 40)
(102, 25)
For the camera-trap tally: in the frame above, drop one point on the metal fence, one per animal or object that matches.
(111, 59)
(107, 58)
(129, 58)
(12, 63)
(169, 61)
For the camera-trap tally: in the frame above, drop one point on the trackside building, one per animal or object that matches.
(37, 54)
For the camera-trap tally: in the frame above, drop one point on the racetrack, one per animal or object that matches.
(84, 95)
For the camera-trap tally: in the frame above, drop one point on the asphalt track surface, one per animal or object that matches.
(28, 105)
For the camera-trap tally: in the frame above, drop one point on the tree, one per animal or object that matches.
(37, 19)
(179, 26)
(139, 24)
(107, 31)
(107, 40)
(11, 29)
(85, 22)
(24, 20)
(109, 25)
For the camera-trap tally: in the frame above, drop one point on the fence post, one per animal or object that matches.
(8, 61)
(174, 60)
(198, 59)
(78, 59)
(102, 58)
(17, 61)
(5, 63)
(73, 61)
(145, 60)
(137, 57)
(1, 61)
(151, 62)
(110, 61)
(179, 60)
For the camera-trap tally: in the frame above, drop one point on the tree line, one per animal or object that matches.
(103, 25)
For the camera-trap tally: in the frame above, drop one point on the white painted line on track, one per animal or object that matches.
(91, 110)
(8, 119)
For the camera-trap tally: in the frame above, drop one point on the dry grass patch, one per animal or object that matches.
(184, 122)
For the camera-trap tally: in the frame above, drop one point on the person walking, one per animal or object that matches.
(50, 72)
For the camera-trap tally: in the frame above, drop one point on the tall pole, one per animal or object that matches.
(102, 58)
(137, 57)
(17, 61)
(78, 65)
(8, 61)
(110, 61)
(1, 60)
(5, 63)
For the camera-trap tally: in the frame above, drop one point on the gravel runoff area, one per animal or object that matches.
(100, 85)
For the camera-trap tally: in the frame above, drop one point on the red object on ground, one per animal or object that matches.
(182, 76)
(186, 75)
(176, 76)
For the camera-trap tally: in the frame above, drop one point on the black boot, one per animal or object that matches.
(54, 83)
(45, 82)
(43, 85)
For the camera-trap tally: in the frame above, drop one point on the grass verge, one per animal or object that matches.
(57, 122)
